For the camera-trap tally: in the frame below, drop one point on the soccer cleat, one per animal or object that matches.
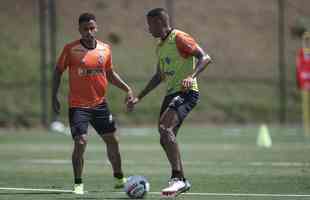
(188, 185)
(175, 187)
(119, 182)
(78, 189)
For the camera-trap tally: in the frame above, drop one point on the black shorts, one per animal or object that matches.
(99, 117)
(181, 102)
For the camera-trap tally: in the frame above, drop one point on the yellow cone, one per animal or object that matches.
(263, 138)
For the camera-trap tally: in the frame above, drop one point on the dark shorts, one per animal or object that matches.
(99, 117)
(181, 102)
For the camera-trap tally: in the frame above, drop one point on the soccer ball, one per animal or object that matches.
(137, 187)
(57, 126)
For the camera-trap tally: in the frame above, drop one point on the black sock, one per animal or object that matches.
(78, 180)
(118, 175)
(177, 174)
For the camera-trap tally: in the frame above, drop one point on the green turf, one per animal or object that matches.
(217, 160)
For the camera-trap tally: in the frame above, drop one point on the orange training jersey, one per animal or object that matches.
(87, 72)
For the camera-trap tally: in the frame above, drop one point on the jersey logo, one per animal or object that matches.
(168, 60)
(83, 61)
(100, 59)
(90, 72)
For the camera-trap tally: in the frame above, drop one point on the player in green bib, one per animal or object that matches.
(180, 61)
(172, 64)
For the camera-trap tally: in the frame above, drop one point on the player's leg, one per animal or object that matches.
(167, 124)
(104, 124)
(79, 119)
(112, 144)
(170, 121)
(80, 143)
(169, 116)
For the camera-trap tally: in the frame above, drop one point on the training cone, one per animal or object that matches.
(263, 138)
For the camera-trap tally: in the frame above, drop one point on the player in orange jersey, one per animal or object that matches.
(89, 62)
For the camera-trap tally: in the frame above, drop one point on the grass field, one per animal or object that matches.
(221, 162)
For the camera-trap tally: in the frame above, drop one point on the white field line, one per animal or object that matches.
(236, 194)
(247, 195)
(36, 189)
(187, 194)
(193, 163)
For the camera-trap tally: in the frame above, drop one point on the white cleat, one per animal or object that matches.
(176, 186)
(188, 185)
(78, 189)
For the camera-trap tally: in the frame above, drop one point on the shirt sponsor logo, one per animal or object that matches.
(90, 72)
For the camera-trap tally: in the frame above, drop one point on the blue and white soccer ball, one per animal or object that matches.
(137, 187)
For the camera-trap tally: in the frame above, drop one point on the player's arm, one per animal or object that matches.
(203, 60)
(152, 84)
(55, 87)
(57, 73)
(116, 80)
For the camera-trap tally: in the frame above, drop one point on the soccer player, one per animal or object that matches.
(180, 61)
(89, 62)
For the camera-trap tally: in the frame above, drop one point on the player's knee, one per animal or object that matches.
(110, 139)
(167, 139)
(80, 140)
(167, 135)
(161, 128)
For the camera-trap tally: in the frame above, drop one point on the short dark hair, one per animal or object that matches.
(86, 17)
(157, 12)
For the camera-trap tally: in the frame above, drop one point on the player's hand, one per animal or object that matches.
(129, 98)
(56, 105)
(131, 104)
(187, 83)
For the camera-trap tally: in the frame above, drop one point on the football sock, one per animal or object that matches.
(118, 175)
(177, 174)
(78, 180)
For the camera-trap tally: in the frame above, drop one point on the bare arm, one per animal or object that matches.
(55, 86)
(116, 80)
(152, 84)
(203, 61)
